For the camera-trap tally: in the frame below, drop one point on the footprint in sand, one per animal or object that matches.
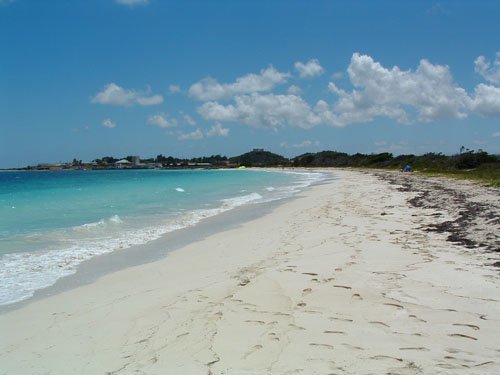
(296, 327)
(253, 350)
(394, 305)
(417, 318)
(341, 319)
(463, 336)
(244, 282)
(335, 332)
(260, 322)
(379, 323)
(473, 326)
(306, 291)
(342, 286)
(273, 336)
(357, 296)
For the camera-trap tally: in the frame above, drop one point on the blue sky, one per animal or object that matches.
(89, 78)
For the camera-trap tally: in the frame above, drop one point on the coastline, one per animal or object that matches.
(155, 250)
(341, 279)
(35, 272)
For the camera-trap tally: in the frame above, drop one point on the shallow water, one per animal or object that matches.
(50, 222)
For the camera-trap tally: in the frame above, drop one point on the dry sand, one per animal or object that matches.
(348, 278)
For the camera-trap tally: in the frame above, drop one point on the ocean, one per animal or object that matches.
(50, 222)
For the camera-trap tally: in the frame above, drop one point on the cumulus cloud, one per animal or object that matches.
(218, 130)
(496, 135)
(262, 110)
(294, 90)
(490, 72)
(210, 89)
(132, 2)
(149, 100)
(162, 121)
(424, 94)
(174, 89)
(486, 100)
(194, 135)
(113, 94)
(107, 123)
(379, 91)
(332, 87)
(188, 119)
(310, 69)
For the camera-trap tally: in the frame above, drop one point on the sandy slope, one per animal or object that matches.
(341, 280)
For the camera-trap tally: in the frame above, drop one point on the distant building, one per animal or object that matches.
(122, 163)
(136, 160)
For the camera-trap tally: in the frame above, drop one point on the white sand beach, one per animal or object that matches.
(341, 280)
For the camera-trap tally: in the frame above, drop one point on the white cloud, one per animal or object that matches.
(337, 75)
(150, 100)
(294, 90)
(132, 2)
(218, 130)
(379, 91)
(485, 69)
(107, 123)
(425, 94)
(210, 89)
(174, 89)
(259, 110)
(116, 95)
(332, 87)
(194, 135)
(486, 100)
(496, 135)
(310, 69)
(189, 120)
(160, 120)
(302, 144)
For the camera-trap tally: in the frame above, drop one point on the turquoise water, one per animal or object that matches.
(52, 221)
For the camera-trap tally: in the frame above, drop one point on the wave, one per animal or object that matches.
(23, 273)
(101, 224)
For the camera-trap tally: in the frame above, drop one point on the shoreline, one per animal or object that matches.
(342, 278)
(98, 266)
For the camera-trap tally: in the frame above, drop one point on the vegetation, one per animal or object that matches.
(468, 164)
(260, 158)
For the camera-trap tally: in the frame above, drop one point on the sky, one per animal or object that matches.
(91, 78)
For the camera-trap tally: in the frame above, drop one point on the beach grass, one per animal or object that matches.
(488, 174)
